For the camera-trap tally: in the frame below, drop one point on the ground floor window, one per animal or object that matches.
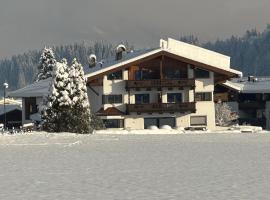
(113, 123)
(159, 122)
(198, 121)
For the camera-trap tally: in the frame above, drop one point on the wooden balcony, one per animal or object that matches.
(162, 107)
(160, 83)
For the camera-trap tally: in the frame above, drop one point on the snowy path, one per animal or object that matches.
(209, 166)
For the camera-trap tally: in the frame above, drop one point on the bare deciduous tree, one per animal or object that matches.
(224, 114)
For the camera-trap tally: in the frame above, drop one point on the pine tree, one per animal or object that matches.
(96, 123)
(80, 105)
(46, 65)
(56, 114)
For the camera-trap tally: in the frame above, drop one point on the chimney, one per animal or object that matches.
(92, 60)
(119, 51)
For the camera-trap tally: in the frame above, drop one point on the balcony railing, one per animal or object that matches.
(162, 107)
(159, 83)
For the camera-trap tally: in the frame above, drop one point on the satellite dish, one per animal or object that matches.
(92, 60)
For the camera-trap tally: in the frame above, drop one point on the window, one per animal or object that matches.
(30, 107)
(113, 123)
(203, 96)
(198, 121)
(174, 97)
(111, 99)
(115, 76)
(201, 73)
(142, 98)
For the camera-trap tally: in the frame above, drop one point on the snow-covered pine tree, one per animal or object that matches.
(46, 65)
(56, 114)
(81, 115)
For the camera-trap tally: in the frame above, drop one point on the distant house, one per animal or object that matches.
(169, 85)
(13, 112)
(250, 97)
(32, 96)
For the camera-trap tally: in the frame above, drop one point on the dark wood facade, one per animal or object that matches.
(160, 83)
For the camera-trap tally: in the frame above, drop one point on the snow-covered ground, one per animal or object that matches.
(176, 166)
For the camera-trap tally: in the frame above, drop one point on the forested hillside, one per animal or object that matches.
(249, 53)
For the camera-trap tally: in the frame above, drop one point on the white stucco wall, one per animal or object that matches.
(197, 53)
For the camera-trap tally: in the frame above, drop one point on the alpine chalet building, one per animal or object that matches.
(170, 85)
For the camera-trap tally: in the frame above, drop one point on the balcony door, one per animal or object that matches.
(142, 98)
(174, 98)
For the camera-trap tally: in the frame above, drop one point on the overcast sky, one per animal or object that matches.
(31, 24)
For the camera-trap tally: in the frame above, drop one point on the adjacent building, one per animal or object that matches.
(11, 113)
(249, 97)
(170, 85)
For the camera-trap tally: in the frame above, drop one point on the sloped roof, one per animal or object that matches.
(9, 108)
(262, 85)
(37, 89)
(187, 52)
(112, 61)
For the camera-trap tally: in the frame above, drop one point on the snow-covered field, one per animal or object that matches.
(183, 166)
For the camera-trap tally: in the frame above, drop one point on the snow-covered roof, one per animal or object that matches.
(178, 48)
(261, 85)
(10, 101)
(9, 108)
(111, 62)
(37, 89)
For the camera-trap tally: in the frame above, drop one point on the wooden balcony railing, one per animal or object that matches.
(162, 107)
(159, 83)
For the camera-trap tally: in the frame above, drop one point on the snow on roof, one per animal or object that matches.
(262, 85)
(113, 63)
(10, 101)
(172, 46)
(37, 89)
(9, 108)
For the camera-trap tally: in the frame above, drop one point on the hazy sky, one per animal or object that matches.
(31, 24)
